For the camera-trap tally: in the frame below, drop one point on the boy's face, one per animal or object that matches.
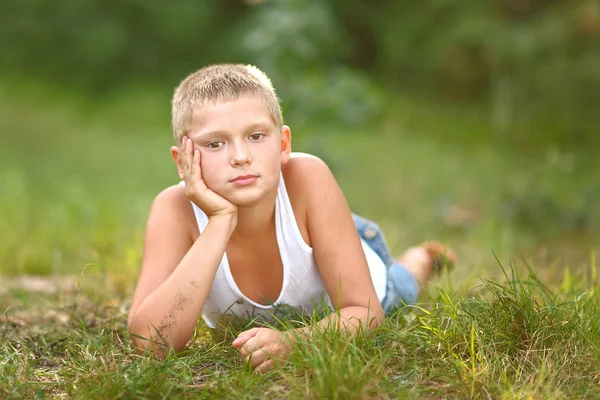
(241, 149)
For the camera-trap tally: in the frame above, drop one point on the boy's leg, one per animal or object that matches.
(412, 272)
(370, 232)
(425, 260)
(409, 273)
(402, 286)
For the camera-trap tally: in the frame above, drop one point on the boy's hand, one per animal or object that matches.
(196, 190)
(262, 346)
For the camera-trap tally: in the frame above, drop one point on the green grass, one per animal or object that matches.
(512, 339)
(77, 177)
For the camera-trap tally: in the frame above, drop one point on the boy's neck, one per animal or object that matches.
(254, 221)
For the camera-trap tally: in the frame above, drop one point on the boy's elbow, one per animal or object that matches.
(150, 346)
(140, 342)
(378, 317)
(145, 343)
(381, 319)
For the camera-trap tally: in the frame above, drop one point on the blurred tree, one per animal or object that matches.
(302, 47)
(101, 45)
(536, 63)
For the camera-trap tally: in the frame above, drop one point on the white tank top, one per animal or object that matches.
(302, 286)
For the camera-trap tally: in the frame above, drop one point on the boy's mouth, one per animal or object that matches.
(244, 179)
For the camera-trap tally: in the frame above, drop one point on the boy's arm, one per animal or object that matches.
(337, 248)
(176, 273)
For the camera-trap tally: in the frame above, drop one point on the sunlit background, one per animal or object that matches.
(467, 121)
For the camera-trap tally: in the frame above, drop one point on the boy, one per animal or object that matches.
(253, 226)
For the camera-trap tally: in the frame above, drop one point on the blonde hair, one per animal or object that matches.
(219, 83)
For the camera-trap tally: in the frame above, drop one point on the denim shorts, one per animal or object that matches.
(402, 287)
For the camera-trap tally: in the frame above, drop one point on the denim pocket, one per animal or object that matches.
(370, 232)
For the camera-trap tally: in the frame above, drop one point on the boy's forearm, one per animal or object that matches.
(168, 316)
(349, 319)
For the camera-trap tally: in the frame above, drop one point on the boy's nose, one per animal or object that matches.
(240, 156)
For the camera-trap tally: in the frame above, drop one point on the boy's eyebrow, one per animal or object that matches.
(199, 134)
(217, 132)
(260, 124)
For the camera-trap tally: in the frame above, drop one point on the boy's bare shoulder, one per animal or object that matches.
(302, 165)
(172, 196)
(303, 174)
(172, 204)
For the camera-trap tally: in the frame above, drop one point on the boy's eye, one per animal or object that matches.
(257, 136)
(214, 145)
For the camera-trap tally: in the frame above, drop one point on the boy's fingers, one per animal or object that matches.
(188, 151)
(248, 345)
(188, 154)
(248, 348)
(244, 337)
(256, 358)
(265, 366)
(183, 154)
(198, 166)
(194, 167)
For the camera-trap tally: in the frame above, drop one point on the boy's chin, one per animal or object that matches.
(249, 196)
(245, 200)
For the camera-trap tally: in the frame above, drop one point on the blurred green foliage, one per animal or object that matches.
(534, 65)
(78, 175)
(466, 120)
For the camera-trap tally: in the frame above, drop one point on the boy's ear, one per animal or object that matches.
(286, 144)
(176, 157)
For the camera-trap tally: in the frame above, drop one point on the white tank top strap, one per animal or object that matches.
(287, 230)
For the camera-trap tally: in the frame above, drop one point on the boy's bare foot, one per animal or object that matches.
(428, 258)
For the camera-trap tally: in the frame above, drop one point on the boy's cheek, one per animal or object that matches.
(213, 182)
